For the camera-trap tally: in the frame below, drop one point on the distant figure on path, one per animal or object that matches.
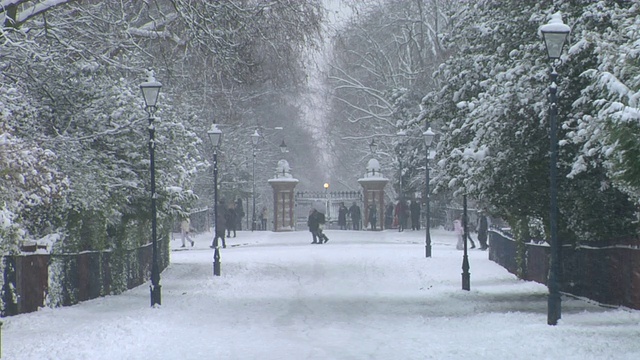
(373, 215)
(263, 219)
(231, 219)
(415, 214)
(457, 227)
(388, 216)
(221, 224)
(185, 227)
(239, 210)
(356, 216)
(401, 213)
(483, 229)
(342, 216)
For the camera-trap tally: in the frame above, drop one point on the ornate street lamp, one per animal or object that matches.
(150, 91)
(215, 135)
(428, 139)
(283, 147)
(555, 34)
(255, 137)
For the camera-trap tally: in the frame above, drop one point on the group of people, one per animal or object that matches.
(399, 215)
(483, 230)
(228, 220)
(352, 212)
(262, 218)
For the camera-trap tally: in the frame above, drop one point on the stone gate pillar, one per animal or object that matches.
(283, 185)
(373, 184)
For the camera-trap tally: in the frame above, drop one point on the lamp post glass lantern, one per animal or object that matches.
(554, 34)
(373, 146)
(428, 139)
(255, 138)
(150, 91)
(215, 135)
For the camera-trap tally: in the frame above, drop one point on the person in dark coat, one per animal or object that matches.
(401, 213)
(315, 222)
(221, 224)
(239, 210)
(231, 218)
(483, 229)
(415, 215)
(388, 216)
(373, 216)
(342, 216)
(356, 216)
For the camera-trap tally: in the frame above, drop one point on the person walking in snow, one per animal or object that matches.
(185, 227)
(373, 215)
(239, 211)
(414, 208)
(401, 213)
(483, 229)
(356, 216)
(263, 218)
(221, 224)
(315, 222)
(342, 216)
(231, 218)
(388, 216)
(457, 227)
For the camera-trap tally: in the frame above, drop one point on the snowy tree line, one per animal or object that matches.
(74, 165)
(477, 73)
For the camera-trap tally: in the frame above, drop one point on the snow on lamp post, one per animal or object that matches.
(554, 34)
(215, 135)
(428, 139)
(150, 91)
(255, 137)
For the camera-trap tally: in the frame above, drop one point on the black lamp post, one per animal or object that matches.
(555, 34)
(283, 147)
(466, 276)
(215, 135)
(428, 139)
(402, 135)
(150, 91)
(255, 137)
(328, 206)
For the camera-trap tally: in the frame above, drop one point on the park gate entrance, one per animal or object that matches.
(327, 202)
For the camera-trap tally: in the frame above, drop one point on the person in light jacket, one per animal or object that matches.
(185, 227)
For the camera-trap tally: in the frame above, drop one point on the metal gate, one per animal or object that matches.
(327, 202)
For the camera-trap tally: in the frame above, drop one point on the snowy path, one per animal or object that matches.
(363, 295)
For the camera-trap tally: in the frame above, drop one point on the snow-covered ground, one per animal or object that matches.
(363, 295)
